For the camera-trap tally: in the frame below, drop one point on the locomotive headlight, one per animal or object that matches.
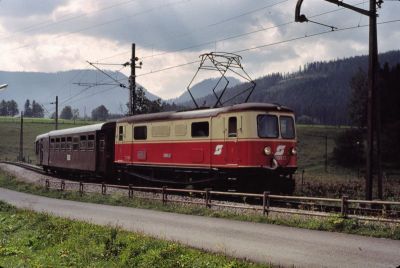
(293, 151)
(267, 150)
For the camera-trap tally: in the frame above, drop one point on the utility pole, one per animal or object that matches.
(132, 81)
(56, 103)
(21, 139)
(373, 121)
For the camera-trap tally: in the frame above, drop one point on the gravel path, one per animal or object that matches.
(257, 242)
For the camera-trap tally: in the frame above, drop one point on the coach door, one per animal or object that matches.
(231, 140)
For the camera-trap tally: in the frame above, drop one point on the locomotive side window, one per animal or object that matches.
(267, 126)
(121, 133)
(140, 133)
(90, 143)
(82, 144)
(69, 143)
(75, 143)
(200, 129)
(232, 127)
(287, 127)
(51, 143)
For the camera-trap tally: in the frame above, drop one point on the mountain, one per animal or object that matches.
(203, 89)
(319, 92)
(43, 87)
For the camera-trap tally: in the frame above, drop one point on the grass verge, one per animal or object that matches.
(31, 239)
(333, 224)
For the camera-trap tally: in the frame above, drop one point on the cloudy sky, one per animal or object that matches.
(58, 35)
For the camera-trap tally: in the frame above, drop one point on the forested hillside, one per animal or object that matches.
(319, 92)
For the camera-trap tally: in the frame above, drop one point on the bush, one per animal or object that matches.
(349, 148)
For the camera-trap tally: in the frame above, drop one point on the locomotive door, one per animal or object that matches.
(231, 141)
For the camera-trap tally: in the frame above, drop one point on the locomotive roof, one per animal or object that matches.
(201, 113)
(75, 130)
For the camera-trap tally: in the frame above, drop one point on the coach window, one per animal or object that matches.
(75, 143)
(62, 143)
(200, 129)
(57, 143)
(51, 143)
(69, 143)
(82, 144)
(140, 133)
(90, 143)
(121, 133)
(232, 127)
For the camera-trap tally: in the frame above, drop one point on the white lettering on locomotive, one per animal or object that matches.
(218, 149)
(280, 150)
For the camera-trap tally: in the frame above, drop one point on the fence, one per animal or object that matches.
(375, 210)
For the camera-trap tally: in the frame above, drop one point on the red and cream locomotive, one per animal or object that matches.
(247, 147)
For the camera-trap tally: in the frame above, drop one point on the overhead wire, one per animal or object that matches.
(272, 44)
(63, 19)
(107, 22)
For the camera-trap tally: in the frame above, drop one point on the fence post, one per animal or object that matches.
(81, 188)
(103, 188)
(164, 194)
(208, 197)
(344, 206)
(62, 185)
(130, 191)
(47, 184)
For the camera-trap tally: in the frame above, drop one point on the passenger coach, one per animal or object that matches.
(83, 150)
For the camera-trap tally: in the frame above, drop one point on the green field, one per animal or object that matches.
(10, 129)
(31, 239)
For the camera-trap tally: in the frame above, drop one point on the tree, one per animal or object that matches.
(144, 105)
(37, 110)
(75, 114)
(388, 81)
(358, 100)
(12, 108)
(3, 108)
(349, 148)
(100, 113)
(27, 109)
(66, 113)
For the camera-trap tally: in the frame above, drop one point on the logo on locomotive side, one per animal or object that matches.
(218, 149)
(280, 150)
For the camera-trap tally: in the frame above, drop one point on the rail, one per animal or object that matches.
(374, 210)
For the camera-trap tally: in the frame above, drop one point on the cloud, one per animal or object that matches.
(62, 34)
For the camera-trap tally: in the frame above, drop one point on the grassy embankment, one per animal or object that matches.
(31, 239)
(334, 223)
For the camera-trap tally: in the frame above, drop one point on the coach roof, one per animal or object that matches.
(202, 113)
(77, 130)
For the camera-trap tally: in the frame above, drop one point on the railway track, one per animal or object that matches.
(292, 204)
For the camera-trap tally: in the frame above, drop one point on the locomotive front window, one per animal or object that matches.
(267, 126)
(287, 127)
